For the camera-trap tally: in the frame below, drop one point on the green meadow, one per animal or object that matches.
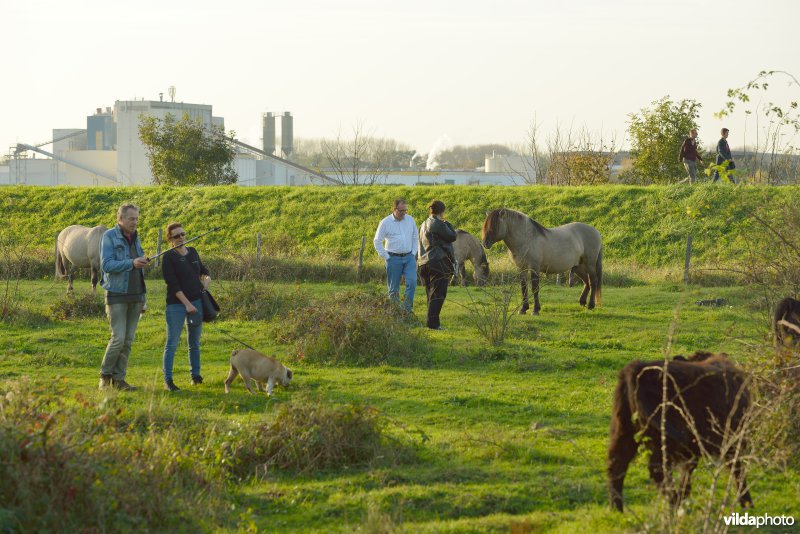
(477, 437)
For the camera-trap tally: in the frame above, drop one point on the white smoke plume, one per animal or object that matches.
(441, 144)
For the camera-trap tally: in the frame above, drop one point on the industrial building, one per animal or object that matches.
(108, 152)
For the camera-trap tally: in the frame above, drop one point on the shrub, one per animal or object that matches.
(309, 434)
(250, 301)
(490, 310)
(355, 327)
(65, 467)
(77, 306)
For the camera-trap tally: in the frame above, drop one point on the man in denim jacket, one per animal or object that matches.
(121, 261)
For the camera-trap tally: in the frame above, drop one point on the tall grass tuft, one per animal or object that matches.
(355, 327)
(491, 309)
(309, 434)
(251, 301)
(77, 306)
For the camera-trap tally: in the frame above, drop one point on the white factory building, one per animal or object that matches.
(108, 152)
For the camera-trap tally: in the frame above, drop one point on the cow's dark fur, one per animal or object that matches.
(787, 310)
(708, 388)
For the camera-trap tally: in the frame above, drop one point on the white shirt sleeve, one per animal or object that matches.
(378, 241)
(414, 237)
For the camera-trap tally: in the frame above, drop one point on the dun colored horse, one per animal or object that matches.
(467, 247)
(533, 248)
(79, 247)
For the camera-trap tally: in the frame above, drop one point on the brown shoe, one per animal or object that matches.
(123, 386)
(106, 381)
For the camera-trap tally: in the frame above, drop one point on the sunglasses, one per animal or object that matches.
(182, 234)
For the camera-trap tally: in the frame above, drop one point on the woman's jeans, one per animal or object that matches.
(176, 316)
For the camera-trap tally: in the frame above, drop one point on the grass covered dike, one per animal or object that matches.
(646, 226)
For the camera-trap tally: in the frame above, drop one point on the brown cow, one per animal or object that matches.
(786, 323)
(707, 397)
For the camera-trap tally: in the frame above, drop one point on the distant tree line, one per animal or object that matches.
(187, 152)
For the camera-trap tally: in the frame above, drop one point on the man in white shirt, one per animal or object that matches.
(399, 232)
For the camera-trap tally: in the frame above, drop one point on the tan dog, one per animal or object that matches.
(253, 365)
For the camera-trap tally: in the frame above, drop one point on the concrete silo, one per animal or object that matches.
(269, 133)
(287, 134)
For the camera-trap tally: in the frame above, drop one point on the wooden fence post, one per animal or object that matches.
(258, 247)
(687, 260)
(158, 245)
(359, 272)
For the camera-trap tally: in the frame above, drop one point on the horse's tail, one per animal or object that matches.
(598, 292)
(61, 269)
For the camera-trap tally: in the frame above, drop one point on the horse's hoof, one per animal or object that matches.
(536, 312)
(522, 312)
(591, 306)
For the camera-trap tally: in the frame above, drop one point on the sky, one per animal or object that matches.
(416, 71)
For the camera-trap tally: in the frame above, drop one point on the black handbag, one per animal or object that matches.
(210, 306)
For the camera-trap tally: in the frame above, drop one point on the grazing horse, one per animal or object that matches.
(467, 247)
(698, 410)
(79, 247)
(575, 247)
(786, 323)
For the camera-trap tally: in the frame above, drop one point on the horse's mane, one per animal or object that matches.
(492, 216)
(460, 231)
(538, 227)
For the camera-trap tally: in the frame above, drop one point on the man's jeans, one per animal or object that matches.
(123, 318)
(691, 168)
(397, 266)
(176, 316)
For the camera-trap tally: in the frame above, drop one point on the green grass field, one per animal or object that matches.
(511, 434)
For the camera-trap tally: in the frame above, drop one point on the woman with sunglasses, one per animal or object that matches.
(186, 278)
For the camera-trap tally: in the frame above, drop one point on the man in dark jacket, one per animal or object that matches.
(724, 153)
(436, 237)
(689, 155)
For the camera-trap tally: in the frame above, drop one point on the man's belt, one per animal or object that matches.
(399, 254)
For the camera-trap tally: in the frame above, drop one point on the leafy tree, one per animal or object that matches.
(788, 115)
(186, 152)
(772, 159)
(656, 134)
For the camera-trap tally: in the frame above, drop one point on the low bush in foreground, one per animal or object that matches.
(64, 467)
(308, 435)
(357, 327)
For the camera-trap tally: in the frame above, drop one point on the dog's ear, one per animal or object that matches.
(288, 373)
(234, 353)
(679, 358)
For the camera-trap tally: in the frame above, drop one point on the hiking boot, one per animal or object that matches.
(170, 386)
(197, 380)
(106, 381)
(122, 385)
